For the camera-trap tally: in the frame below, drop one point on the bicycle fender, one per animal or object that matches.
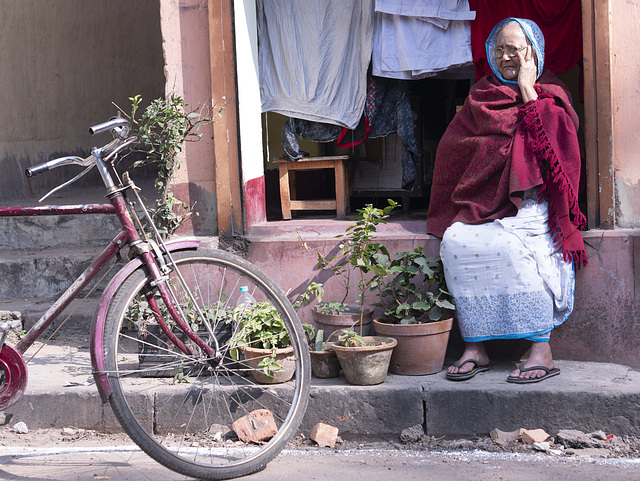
(97, 326)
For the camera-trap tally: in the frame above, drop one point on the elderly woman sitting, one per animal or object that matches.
(505, 202)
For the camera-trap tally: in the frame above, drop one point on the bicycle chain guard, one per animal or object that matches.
(13, 376)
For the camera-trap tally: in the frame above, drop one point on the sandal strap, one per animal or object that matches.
(533, 368)
(460, 364)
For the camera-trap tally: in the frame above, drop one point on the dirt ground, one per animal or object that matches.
(619, 447)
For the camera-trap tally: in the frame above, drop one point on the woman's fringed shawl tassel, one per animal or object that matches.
(565, 218)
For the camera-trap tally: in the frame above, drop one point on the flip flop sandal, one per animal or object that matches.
(548, 373)
(466, 375)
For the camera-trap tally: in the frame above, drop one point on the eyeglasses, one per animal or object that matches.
(498, 52)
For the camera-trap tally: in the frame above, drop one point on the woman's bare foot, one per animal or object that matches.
(475, 351)
(539, 355)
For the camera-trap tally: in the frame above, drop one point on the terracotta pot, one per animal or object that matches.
(347, 320)
(421, 347)
(284, 357)
(324, 364)
(366, 365)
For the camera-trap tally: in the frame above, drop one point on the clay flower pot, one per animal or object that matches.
(284, 357)
(350, 319)
(421, 347)
(366, 365)
(324, 364)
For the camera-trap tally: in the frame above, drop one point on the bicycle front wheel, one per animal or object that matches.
(181, 409)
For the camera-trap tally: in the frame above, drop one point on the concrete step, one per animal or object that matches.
(28, 274)
(43, 232)
(586, 396)
(76, 319)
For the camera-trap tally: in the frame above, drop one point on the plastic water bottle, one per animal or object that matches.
(246, 300)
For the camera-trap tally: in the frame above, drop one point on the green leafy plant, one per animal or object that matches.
(359, 254)
(414, 289)
(316, 339)
(181, 377)
(314, 290)
(140, 315)
(349, 338)
(260, 326)
(162, 129)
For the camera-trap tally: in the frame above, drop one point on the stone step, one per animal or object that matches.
(76, 319)
(40, 232)
(28, 274)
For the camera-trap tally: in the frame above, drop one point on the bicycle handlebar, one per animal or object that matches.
(120, 129)
(51, 164)
(110, 125)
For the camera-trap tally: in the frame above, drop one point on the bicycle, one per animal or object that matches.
(160, 337)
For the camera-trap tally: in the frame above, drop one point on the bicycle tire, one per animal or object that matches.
(185, 426)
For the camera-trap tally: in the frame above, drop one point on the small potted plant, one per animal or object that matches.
(156, 358)
(260, 334)
(364, 359)
(359, 256)
(417, 312)
(324, 361)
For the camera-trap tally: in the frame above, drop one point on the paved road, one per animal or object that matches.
(127, 464)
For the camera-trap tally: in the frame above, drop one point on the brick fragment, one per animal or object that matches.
(530, 436)
(255, 427)
(500, 437)
(325, 435)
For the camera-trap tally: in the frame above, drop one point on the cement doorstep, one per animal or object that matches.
(586, 396)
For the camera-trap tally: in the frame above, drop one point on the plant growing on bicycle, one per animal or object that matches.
(162, 129)
(128, 368)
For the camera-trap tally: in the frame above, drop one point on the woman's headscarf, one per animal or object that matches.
(531, 31)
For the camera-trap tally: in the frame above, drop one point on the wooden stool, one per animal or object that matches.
(288, 185)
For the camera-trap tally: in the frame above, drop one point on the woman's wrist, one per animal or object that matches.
(528, 93)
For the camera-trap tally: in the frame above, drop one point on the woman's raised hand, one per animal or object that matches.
(527, 74)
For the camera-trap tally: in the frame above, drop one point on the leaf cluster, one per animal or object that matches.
(359, 253)
(261, 326)
(349, 338)
(414, 289)
(162, 129)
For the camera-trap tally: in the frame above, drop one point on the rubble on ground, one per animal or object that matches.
(324, 435)
(565, 443)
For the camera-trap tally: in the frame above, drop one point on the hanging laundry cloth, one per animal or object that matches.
(559, 20)
(418, 38)
(388, 110)
(313, 58)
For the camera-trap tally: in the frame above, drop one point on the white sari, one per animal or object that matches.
(507, 278)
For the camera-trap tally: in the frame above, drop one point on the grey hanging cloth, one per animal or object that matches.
(387, 110)
(313, 58)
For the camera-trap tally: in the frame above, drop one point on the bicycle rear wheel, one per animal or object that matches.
(180, 408)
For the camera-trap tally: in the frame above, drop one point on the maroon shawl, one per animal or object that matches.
(496, 147)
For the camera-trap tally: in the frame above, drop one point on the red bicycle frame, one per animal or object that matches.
(128, 235)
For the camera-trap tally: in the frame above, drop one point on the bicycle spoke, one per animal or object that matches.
(184, 418)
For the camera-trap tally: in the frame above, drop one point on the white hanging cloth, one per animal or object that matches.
(313, 58)
(419, 38)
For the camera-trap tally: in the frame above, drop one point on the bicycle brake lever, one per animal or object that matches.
(69, 182)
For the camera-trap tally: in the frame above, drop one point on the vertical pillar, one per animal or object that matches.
(598, 113)
(225, 127)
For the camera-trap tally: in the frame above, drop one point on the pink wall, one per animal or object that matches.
(185, 36)
(603, 327)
